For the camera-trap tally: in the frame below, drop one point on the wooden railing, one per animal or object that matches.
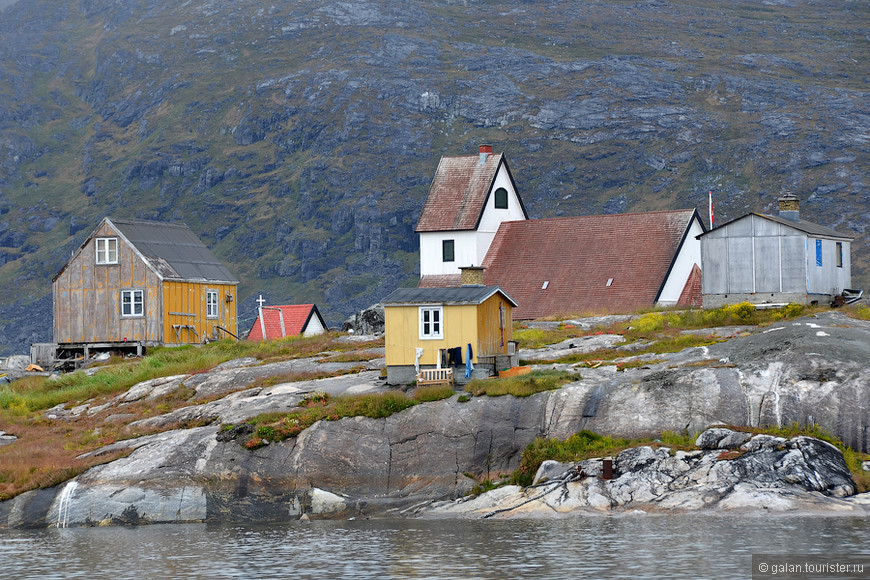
(435, 377)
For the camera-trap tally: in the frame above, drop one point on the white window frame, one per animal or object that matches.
(431, 322)
(136, 298)
(106, 251)
(212, 307)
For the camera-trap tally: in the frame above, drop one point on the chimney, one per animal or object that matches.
(485, 152)
(789, 207)
(472, 275)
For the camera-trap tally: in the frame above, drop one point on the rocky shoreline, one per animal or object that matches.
(424, 461)
(732, 471)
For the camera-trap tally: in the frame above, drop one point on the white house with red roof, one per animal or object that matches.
(470, 197)
(286, 320)
(559, 266)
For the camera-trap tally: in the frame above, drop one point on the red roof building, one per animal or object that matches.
(474, 217)
(289, 320)
(597, 264)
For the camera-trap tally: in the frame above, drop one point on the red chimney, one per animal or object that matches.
(485, 151)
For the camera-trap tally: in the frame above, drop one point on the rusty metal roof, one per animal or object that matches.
(588, 264)
(173, 250)
(459, 192)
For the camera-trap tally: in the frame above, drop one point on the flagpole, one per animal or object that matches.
(710, 193)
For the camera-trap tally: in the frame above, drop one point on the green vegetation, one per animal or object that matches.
(521, 386)
(36, 393)
(271, 427)
(862, 312)
(657, 332)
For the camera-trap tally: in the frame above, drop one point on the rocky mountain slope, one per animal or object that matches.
(298, 139)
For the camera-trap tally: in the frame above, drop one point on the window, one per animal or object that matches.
(211, 303)
(839, 254)
(431, 322)
(132, 303)
(107, 250)
(447, 250)
(501, 198)
(818, 252)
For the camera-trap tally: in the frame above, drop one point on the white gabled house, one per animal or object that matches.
(470, 197)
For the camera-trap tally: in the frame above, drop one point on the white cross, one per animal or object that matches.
(260, 301)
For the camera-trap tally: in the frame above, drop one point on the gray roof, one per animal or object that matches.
(456, 295)
(173, 250)
(806, 227)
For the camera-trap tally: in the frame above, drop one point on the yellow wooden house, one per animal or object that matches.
(428, 328)
(144, 283)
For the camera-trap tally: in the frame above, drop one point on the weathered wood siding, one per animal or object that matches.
(185, 307)
(494, 326)
(87, 297)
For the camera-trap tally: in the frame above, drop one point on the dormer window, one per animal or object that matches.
(501, 198)
(107, 250)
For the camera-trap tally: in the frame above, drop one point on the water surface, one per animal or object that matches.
(635, 546)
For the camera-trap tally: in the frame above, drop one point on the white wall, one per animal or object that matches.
(465, 252)
(314, 327)
(690, 254)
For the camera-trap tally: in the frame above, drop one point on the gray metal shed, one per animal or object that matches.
(764, 259)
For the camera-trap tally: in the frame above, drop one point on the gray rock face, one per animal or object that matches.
(369, 321)
(427, 453)
(803, 473)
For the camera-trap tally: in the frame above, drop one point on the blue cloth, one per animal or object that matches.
(468, 366)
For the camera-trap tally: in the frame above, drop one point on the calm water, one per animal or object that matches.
(591, 547)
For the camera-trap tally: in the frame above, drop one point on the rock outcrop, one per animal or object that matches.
(732, 471)
(438, 451)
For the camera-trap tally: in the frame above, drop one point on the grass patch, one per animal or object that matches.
(271, 427)
(862, 312)
(521, 386)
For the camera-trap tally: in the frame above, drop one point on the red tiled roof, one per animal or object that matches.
(295, 318)
(575, 257)
(458, 193)
(691, 295)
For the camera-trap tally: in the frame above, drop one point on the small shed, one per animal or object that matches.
(428, 328)
(765, 259)
(286, 320)
(144, 283)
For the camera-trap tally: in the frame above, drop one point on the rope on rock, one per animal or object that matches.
(569, 476)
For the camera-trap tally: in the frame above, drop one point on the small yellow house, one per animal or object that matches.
(426, 328)
(144, 283)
